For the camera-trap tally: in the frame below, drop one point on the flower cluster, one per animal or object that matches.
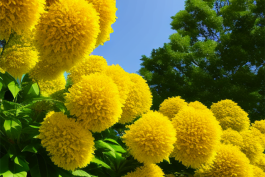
(233, 137)
(151, 138)
(151, 170)
(18, 16)
(69, 145)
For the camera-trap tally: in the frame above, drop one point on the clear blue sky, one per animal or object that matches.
(142, 25)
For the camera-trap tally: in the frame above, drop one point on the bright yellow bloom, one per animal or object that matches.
(50, 2)
(69, 145)
(171, 106)
(106, 10)
(260, 125)
(19, 56)
(257, 172)
(197, 105)
(233, 137)
(66, 33)
(95, 101)
(89, 65)
(151, 138)
(259, 135)
(230, 115)
(198, 136)
(139, 99)
(260, 162)
(18, 16)
(229, 161)
(251, 145)
(48, 87)
(121, 79)
(151, 170)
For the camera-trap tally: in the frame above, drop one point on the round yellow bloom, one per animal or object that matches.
(48, 87)
(197, 105)
(257, 172)
(229, 161)
(89, 65)
(50, 2)
(95, 101)
(230, 115)
(198, 136)
(171, 106)
(251, 145)
(69, 145)
(259, 135)
(121, 79)
(139, 99)
(260, 162)
(260, 125)
(233, 137)
(19, 57)
(106, 10)
(150, 170)
(18, 16)
(151, 138)
(66, 33)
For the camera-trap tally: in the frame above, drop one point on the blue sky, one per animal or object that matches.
(142, 25)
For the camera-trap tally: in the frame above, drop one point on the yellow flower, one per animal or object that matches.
(233, 137)
(151, 138)
(198, 136)
(260, 125)
(258, 172)
(251, 145)
(19, 56)
(48, 87)
(69, 145)
(18, 16)
(171, 106)
(106, 10)
(50, 2)
(259, 135)
(66, 33)
(139, 99)
(229, 161)
(230, 115)
(95, 101)
(121, 79)
(2, 71)
(89, 65)
(197, 105)
(260, 162)
(150, 170)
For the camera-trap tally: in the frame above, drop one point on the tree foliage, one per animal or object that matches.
(217, 53)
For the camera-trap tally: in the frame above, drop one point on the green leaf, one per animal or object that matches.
(31, 129)
(100, 162)
(34, 90)
(31, 148)
(103, 145)
(4, 164)
(111, 140)
(118, 148)
(1, 85)
(81, 173)
(17, 168)
(12, 128)
(13, 87)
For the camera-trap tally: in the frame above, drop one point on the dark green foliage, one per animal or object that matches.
(217, 53)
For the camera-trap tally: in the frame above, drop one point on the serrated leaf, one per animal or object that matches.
(103, 145)
(111, 140)
(13, 87)
(100, 162)
(12, 128)
(81, 173)
(118, 148)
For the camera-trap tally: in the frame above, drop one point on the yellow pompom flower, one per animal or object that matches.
(257, 172)
(151, 170)
(19, 15)
(259, 135)
(89, 65)
(50, 2)
(151, 138)
(66, 33)
(121, 79)
(230, 115)
(260, 162)
(48, 87)
(106, 10)
(139, 99)
(229, 161)
(198, 136)
(251, 145)
(95, 101)
(233, 137)
(19, 56)
(171, 106)
(197, 105)
(260, 125)
(69, 145)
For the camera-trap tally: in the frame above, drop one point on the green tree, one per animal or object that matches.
(217, 53)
